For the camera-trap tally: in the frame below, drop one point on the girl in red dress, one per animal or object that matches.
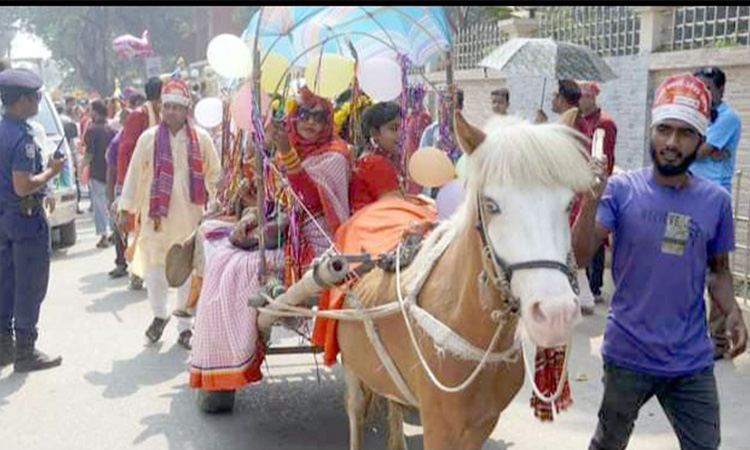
(376, 173)
(382, 213)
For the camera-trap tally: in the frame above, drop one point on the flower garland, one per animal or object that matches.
(346, 112)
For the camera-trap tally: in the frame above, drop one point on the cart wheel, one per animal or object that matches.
(213, 402)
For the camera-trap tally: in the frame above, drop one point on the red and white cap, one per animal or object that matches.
(176, 91)
(588, 88)
(682, 97)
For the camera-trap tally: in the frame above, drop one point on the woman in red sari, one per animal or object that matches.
(227, 351)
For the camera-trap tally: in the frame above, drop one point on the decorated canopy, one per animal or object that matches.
(298, 33)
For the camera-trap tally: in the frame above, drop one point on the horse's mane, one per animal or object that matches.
(516, 153)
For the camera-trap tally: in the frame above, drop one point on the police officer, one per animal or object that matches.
(24, 232)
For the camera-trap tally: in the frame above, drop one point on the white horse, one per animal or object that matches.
(503, 257)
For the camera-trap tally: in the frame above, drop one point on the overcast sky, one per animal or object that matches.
(27, 45)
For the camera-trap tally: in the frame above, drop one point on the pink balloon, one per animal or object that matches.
(128, 45)
(450, 196)
(241, 107)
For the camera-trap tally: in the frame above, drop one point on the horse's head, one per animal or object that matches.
(522, 179)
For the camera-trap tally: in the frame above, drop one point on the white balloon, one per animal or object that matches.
(380, 78)
(209, 112)
(230, 56)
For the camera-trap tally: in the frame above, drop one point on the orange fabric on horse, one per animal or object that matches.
(376, 228)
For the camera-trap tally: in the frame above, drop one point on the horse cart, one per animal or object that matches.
(284, 42)
(447, 305)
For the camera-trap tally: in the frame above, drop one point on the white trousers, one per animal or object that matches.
(158, 291)
(585, 296)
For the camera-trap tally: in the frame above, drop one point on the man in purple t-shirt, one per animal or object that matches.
(668, 227)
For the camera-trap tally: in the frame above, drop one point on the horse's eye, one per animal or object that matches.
(491, 206)
(569, 207)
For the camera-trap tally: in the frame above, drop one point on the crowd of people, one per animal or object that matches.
(153, 181)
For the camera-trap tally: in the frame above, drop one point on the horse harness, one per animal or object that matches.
(499, 272)
(494, 269)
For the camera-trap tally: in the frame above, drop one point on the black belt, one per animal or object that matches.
(29, 205)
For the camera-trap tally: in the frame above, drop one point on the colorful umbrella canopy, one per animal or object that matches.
(298, 33)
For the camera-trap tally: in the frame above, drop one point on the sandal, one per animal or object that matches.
(184, 339)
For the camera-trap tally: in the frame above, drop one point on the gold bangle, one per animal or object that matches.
(293, 166)
(290, 158)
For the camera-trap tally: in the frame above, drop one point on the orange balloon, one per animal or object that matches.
(431, 167)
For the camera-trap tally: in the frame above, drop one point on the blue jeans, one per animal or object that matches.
(690, 402)
(99, 201)
(24, 271)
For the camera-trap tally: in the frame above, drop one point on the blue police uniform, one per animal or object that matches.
(24, 231)
(24, 235)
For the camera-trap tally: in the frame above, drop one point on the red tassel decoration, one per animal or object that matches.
(549, 366)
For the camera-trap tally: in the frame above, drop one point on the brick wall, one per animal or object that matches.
(624, 98)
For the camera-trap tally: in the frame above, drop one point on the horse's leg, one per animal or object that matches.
(438, 433)
(449, 433)
(355, 408)
(396, 438)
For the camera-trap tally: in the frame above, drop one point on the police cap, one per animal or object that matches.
(19, 80)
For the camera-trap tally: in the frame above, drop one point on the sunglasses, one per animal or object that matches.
(317, 115)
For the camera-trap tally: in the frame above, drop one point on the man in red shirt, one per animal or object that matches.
(566, 103)
(138, 121)
(590, 118)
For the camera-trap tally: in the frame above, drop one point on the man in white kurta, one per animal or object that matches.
(183, 216)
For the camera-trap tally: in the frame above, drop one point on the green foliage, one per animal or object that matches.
(498, 13)
(81, 38)
(725, 42)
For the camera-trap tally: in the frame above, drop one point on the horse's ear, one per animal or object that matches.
(469, 137)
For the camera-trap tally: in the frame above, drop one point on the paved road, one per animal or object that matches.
(113, 392)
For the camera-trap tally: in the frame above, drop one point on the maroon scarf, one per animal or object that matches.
(161, 188)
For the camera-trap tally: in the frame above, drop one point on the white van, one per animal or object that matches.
(62, 219)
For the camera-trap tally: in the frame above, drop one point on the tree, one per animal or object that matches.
(81, 37)
(8, 18)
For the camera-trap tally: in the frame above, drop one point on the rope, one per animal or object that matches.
(530, 370)
(500, 280)
(479, 367)
(288, 310)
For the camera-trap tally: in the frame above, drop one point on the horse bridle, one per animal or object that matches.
(500, 272)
